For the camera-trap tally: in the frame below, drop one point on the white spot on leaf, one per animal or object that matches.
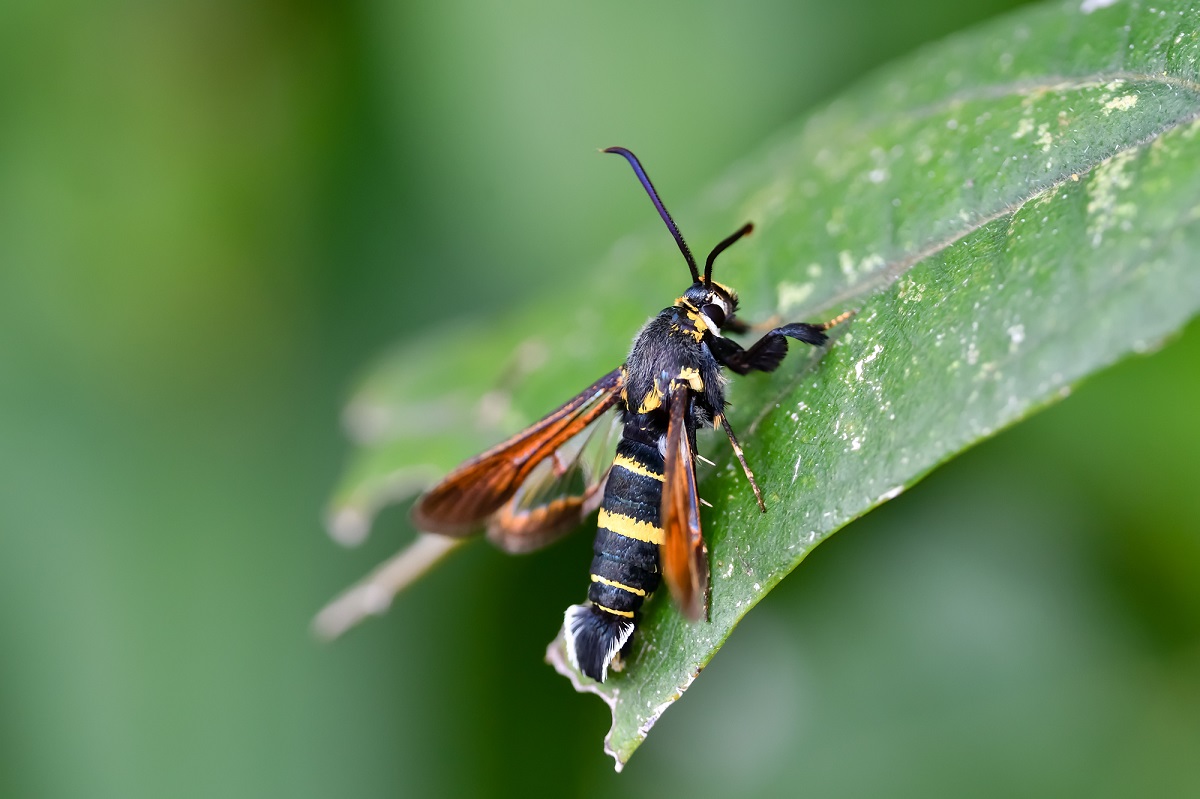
(1044, 138)
(858, 367)
(1122, 103)
(793, 294)
(1016, 334)
(846, 262)
(1103, 208)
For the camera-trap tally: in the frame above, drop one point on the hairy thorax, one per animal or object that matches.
(671, 349)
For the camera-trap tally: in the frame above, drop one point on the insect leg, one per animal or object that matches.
(737, 450)
(768, 352)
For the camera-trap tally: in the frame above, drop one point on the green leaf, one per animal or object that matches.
(1009, 211)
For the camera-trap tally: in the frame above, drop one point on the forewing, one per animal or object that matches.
(683, 554)
(460, 504)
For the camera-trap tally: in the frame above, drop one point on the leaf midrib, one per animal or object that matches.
(1030, 87)
(892, 270)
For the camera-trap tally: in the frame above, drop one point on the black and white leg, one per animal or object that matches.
(741, 456)
(768, 352)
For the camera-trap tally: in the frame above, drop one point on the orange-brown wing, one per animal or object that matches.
(683, 554)
(558, 493)
(461, 503)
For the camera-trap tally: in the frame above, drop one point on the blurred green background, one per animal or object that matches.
(214, 214)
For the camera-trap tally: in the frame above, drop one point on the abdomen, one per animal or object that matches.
(625, 567)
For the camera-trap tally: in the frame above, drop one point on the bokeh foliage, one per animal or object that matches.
(212, 213)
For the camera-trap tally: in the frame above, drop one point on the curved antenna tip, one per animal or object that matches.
(744, 230)
(662, 210)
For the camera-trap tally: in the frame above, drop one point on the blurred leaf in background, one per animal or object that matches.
(213, 214)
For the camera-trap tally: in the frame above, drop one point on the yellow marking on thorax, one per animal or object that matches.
(652, 400)
(630, 465)
(692, 377)
(693, 316)
(630, 527)
(626, 613)
(603, 581)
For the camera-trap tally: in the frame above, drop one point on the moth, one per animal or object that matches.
(541, 483)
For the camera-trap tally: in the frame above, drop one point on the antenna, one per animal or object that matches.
(662, 211)
(744, 230)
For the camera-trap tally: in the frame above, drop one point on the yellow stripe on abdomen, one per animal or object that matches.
(626, 613)
(630, 527)
(630, 465)
(605, 581)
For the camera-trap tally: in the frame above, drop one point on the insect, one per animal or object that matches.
(542, 482)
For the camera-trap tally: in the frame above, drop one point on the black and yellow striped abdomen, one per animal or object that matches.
(625, 567)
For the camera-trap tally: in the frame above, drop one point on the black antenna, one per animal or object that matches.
(744, 230)
(662, 211)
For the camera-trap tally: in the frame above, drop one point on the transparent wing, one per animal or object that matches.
(469, 495)
(559, 492)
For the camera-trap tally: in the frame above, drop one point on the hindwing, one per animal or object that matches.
(533, 487)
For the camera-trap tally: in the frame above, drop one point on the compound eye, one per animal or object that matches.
(714, 312)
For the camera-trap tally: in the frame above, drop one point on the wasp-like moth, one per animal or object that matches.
(542, 482)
